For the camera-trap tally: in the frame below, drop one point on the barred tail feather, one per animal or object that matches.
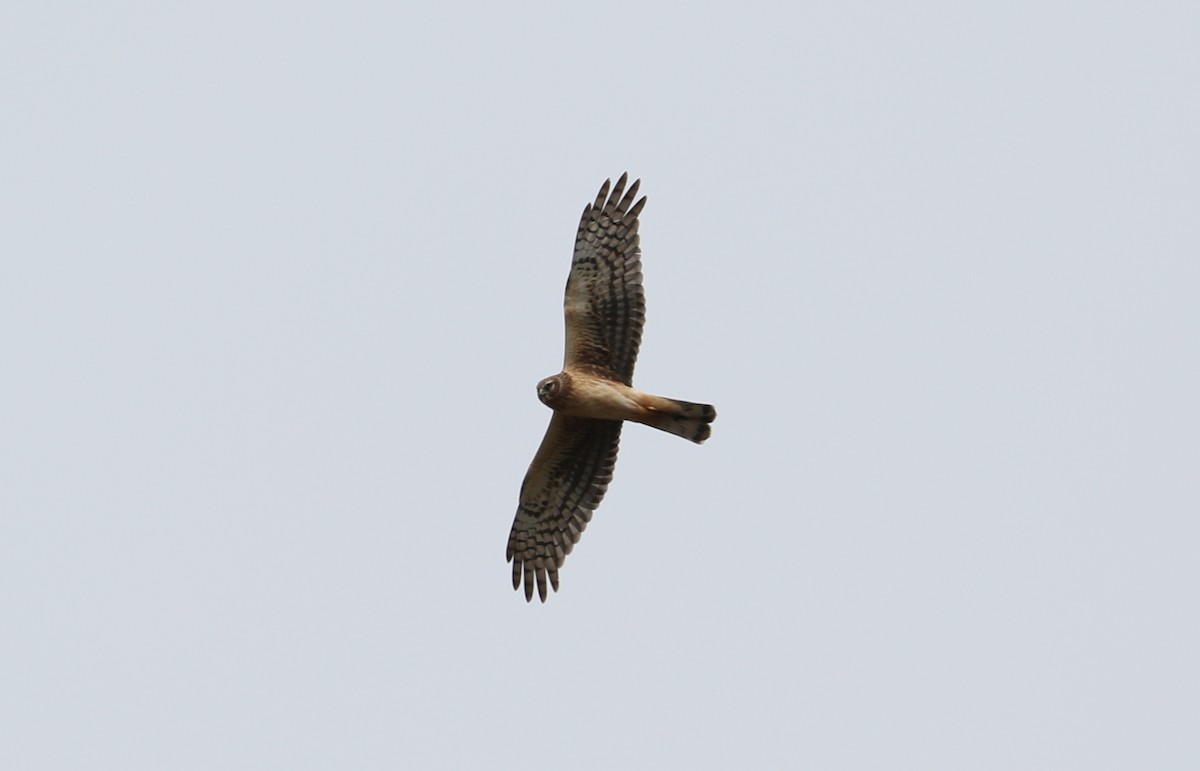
(686, 419)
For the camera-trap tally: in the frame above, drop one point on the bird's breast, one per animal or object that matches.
(593, 397)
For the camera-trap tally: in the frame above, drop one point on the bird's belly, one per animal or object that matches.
(604, 400)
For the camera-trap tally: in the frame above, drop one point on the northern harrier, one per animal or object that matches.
(605, 309)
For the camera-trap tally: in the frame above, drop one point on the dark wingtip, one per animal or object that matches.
(630, 194)
(614, 197)
(602, 196)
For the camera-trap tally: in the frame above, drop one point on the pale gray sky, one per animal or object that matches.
(277, 281)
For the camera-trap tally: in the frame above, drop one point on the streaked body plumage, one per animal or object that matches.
(604, 307)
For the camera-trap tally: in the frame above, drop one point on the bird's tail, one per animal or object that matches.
(686, 419)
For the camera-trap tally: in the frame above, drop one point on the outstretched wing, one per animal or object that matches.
(564, 485)
(604, 304)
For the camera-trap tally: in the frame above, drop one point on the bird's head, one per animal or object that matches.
(551, 390)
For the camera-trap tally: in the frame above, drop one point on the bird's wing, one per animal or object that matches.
(604, 304)
(564, 485)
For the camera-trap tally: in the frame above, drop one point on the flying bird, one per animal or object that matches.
(592, 396)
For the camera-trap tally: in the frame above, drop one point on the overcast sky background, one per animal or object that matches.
(277, 281)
